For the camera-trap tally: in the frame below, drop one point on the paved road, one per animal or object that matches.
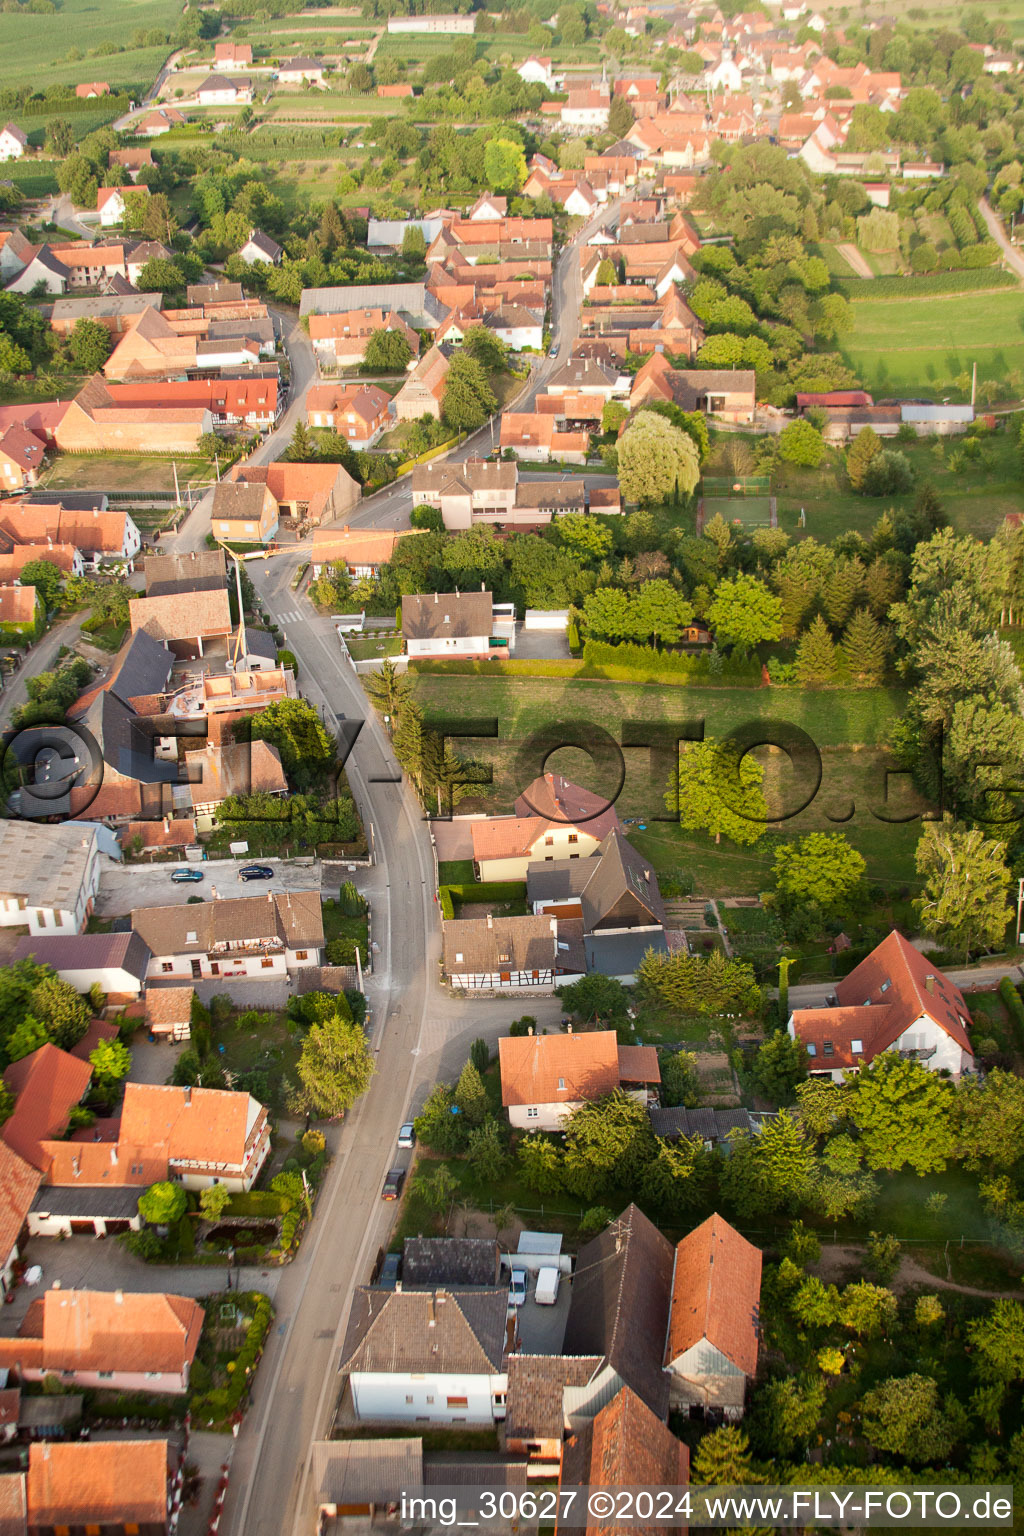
(1013, 258)
(42, 656)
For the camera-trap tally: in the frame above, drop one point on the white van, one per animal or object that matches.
(546, 1292)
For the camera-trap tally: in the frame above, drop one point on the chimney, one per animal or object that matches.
(435, 599)
(398, 1287)
(188, 1095)
(432, 1323)
(929, 982)
(119, 1297)
(569, 1027)
(490, 920)
(530, 1030)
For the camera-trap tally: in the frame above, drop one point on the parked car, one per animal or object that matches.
(393, 1184)
(553, 351)
(517, 1288)
(186, 876)
(390, 1271)
(545, 1292)
(256, 872)
(407, 1135)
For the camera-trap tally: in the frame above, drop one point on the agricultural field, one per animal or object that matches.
(936, 340)
(35, 48)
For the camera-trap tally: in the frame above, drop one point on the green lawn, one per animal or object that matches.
(976, 496)
(35, 48)
(456, 872)
(368, 647)
(923, 345)
(124, 472)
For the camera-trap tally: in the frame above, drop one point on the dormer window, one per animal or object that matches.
(886, 984)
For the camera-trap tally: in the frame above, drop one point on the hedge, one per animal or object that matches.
(509, 668)
(967, 280)
(217, 1406)
(1014, 1007)
(628, 663)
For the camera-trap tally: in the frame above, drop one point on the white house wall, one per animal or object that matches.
(411, 1398)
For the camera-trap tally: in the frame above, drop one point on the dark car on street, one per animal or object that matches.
(186, 876)
(390, 1271)
(256, 872)
(393, 1184)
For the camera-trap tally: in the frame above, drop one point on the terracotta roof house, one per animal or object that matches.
(494, 954)
(619, 1310)
(131, 160)
(555, 821)
(169, 1012)
(216, 91)
(204, 1135)
(255, 936)
(462, 624)
(129, 1342)
(357, 412)
(363, 551)
(21, 611)
(21, 458)
(221, 292)
(19, 1183)
(96, 420)
(539, 438)
(47, 1084)
(92, 88)
(433, 1355)
(423, 391)
(184, 622)
(178, 832)
(89, 266)
(109, 1486)
(116, 311)
(307, 493)
(115, 962)
(895, 1000)
(545, 1077)
(160, 121)
(97, 533)
(712, 1343)
(232, 56)
(623, 1446)
(339, 340)
(729, 393)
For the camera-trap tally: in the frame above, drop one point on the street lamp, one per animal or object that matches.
(387, 722)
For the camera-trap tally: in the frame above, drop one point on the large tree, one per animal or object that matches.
(608, 1143)
(820, 867)
(773, 1171)
(865, 647)
(904, 1115)
(335, 1066)
(504, 165)
(89, 345)
(816, 657)
(743, 613)
(904, 1416)
(719, 794)
(966, 880)
(657, 461)
(386, 352)
(163, 1204)
(308, 751)
(999, 1341)
(468, 399)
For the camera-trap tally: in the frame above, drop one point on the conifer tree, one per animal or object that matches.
(866, 447)
(865, 646)
(843, 590)
(816, 654)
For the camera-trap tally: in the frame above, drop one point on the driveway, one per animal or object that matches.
(1012, 257)
(128, 886)
(40, 658)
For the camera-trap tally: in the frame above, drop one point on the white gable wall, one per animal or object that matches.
(435, 1399)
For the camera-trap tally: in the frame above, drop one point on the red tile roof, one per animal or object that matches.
(881, 998)
(716, 1290)
(590, 1065)
(102, 1482)
(206, 1125)
(47, 1084)
(19, 1182)
(627, 1445)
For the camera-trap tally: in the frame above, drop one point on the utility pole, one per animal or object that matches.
(974, 382)
(1020, 903)
(177, 492)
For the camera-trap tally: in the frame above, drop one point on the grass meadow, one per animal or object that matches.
(33, 49)
(921, 346)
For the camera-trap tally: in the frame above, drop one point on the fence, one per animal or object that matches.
(741, 485)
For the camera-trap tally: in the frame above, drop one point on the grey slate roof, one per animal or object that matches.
(114, 1200)
(213, 293)
(474, 1470)
(200, 571)
(621, 1295)
(413, 301)
(366, 1471)
(428, 1261)
(85, 951)
(145, 669)
(619, 954)
(390, 1331)
(556, 881)
(709, 1124)
(125, 742)
(623, 889)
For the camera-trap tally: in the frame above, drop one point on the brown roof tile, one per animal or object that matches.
(533, 1067)
(716, 1293)
(625, 1446)
(103, 1482)
(473, 946)
(19, 1182)
(47, 1083)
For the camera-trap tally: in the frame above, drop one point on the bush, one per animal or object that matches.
(888, 474)
(256, 1202)
(287, 659)
(637, 663)
(1014, 1007)
(492, 890)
